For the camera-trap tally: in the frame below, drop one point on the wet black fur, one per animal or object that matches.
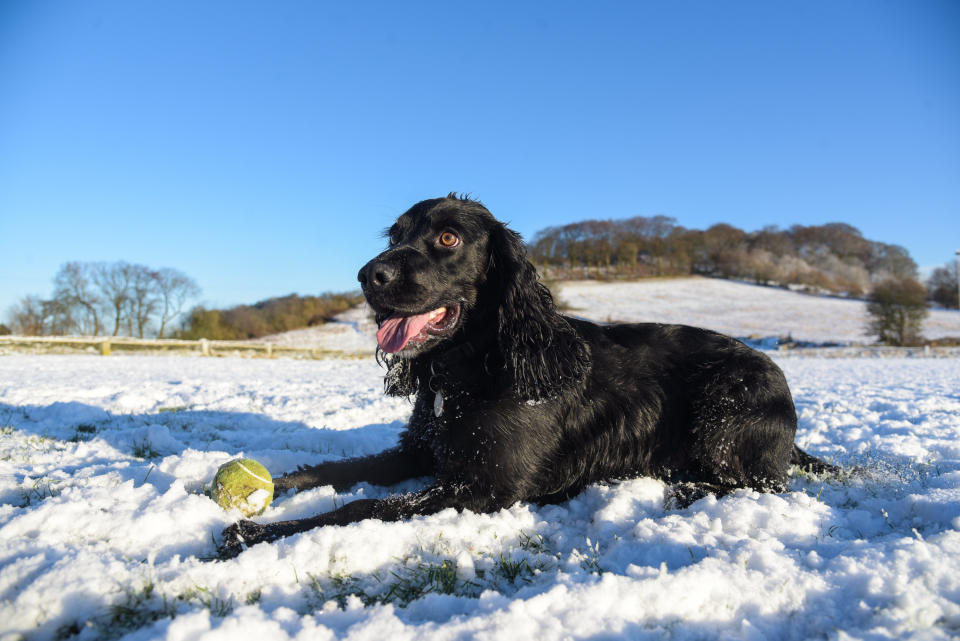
(537, 405)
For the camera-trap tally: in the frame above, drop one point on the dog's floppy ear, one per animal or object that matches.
(540, 348)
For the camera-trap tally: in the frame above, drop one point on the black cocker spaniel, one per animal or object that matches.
(516, 402)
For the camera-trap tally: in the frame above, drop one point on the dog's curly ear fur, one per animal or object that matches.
(541, 350)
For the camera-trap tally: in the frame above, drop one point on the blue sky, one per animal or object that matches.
(262, 147)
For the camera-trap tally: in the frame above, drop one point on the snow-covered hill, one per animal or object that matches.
(735, 308)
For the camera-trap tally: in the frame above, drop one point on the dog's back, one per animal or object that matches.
(676, 402)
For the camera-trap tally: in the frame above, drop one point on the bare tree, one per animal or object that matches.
(27, 316)
(114, 281)
(143, 300)
(87, 296)
(58, 317)
(74, 288)
(174, 289)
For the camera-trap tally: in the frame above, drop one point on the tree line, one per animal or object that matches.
(834, 257)
(121, 298)
(105, 299)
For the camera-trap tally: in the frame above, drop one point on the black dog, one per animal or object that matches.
(515, 402)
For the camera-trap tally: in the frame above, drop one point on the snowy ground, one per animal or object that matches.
(105, 531)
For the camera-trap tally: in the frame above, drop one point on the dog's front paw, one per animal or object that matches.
(239, 536)
(282, 484)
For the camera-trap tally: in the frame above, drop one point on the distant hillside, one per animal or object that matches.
(271, 316)
(832, 258)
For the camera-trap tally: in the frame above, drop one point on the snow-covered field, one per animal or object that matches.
(105, 531)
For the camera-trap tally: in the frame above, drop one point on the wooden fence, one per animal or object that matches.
(107, 345)
(871, 351)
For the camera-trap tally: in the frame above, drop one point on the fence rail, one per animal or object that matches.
(106, 345)
(872, 351)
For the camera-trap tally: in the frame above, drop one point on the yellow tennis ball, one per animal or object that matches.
(243, 484)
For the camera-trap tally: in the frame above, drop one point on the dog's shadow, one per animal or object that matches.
(51, 447)
(280, 445)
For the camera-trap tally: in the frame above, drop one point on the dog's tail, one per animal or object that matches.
(811, 463)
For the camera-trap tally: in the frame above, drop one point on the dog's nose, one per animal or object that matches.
(377, 274)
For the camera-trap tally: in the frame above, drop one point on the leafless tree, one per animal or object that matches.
(174, 289)
(143, 300)
(58, 318)
(74, 289)
(114, 281)
(27, 317)
(87, 296)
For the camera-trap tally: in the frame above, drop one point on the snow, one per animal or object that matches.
(353, 332)
(735, 308)
(105, 531)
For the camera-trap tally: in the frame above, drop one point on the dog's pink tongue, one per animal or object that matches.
(397, 330)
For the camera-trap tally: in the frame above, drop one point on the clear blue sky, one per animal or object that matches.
(261, 147)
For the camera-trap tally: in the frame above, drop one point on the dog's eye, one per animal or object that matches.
(449, 239)
(394, 238)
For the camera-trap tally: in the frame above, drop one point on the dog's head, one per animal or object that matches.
(452, 274)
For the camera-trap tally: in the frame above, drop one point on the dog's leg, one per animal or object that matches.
(433, 499)
(385, 468)
(811, 464)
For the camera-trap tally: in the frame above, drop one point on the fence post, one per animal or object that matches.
(105, 347)
(269, 350)
(204, 347)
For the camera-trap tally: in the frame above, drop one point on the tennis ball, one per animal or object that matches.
(243, 484)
